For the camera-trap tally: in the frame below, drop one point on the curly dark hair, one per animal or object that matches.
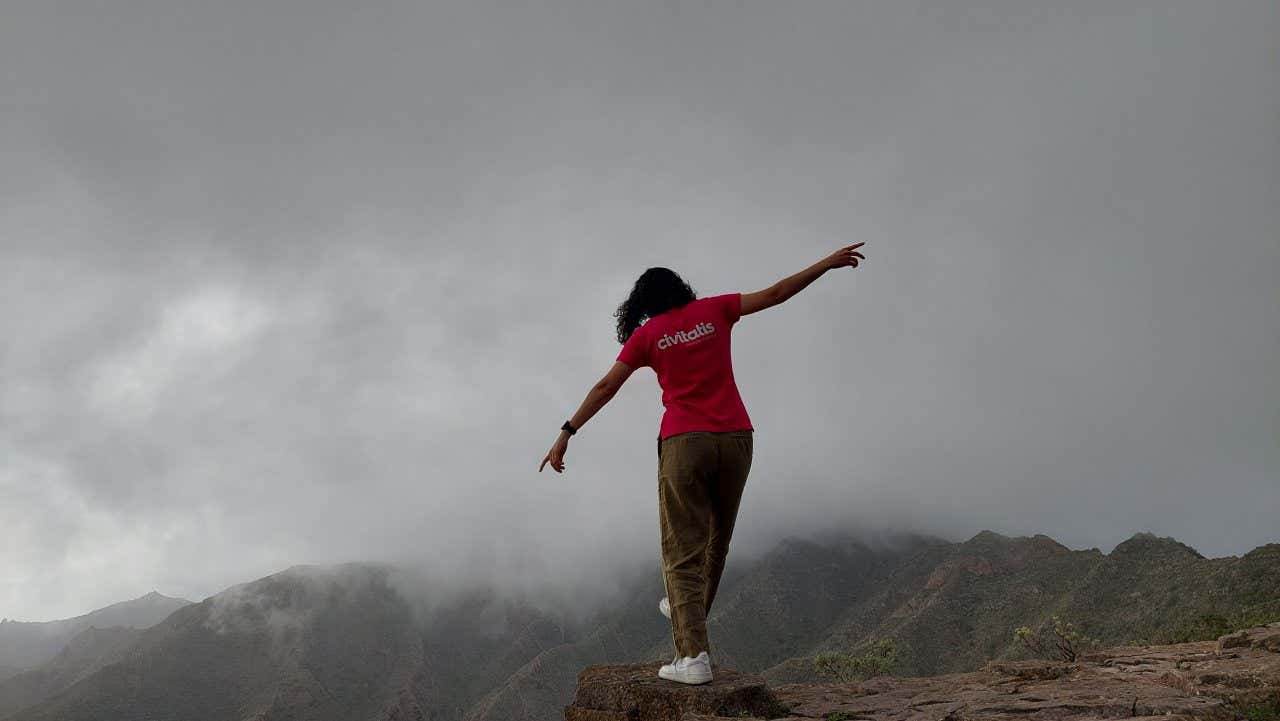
(656, 291)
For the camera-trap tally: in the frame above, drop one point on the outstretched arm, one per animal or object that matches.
(792, 284)
(601, 393)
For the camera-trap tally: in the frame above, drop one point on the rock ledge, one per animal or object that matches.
(1205, 680)
(633, 692)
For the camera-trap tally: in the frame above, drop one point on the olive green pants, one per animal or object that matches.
(701, 475)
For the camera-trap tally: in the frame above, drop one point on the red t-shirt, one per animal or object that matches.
(688, 347)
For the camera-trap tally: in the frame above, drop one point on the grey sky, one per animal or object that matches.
(302, 282)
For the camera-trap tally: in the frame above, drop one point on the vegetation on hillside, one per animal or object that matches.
(341, 643)
(1266, 711)
(1057, 640)
(878, 660)
(1209, 626)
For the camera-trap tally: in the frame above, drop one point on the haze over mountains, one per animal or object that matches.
(26, 644)
(266, 306)
(374, 641)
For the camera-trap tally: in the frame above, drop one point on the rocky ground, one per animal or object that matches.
(1237, 676)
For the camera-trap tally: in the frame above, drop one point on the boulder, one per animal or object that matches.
(633, 692)
(1266, 638)
(1233, 640)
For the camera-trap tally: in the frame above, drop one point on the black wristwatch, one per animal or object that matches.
(568, 427)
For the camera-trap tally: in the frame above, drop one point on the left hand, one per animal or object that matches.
(555, 456)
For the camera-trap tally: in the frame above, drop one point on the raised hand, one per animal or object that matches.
(845, 257)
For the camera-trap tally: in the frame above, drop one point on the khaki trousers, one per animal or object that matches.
(701, 475)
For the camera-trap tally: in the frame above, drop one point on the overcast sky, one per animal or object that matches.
(304, 282)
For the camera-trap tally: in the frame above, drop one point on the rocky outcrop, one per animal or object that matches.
(1222, 679)
(631, 692)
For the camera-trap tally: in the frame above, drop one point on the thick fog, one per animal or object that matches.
(310, 282)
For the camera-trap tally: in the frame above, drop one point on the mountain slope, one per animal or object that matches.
(25, 645)
(476, 639)
(354, 643)
(791, 596)
(90, 650)
(782, 602)
(307, 643)
(630, 629)
(950, 608)
(334, 643)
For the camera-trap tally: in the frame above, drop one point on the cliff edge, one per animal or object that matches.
(1235, 677)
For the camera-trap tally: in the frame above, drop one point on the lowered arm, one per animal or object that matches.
(601, 393)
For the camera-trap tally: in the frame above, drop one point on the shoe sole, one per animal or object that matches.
(664, 611)
(691, 679)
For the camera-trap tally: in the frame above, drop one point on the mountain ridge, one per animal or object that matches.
(28, 644)
(350, 642)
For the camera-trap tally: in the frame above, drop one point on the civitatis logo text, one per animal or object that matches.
(700, 330)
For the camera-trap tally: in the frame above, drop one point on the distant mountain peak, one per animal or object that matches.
(1049, 542)
(157, 597)
(1149, 545)
(988, 539)
(29, 644)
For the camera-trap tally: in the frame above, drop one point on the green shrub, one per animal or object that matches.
(771, 711)
(1057, 640)
(1267, 711)
(1208, 626)
(879, 660)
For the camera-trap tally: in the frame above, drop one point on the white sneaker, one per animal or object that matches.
(664, 607)
(688, 670)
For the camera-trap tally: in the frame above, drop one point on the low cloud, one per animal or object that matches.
(285, 285)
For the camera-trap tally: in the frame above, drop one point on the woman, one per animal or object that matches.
(704, 440)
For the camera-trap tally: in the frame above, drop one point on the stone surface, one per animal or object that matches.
(1264, 637)
(1233, 640)
(632, 692)
(1083, 693)
(1204, 680)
